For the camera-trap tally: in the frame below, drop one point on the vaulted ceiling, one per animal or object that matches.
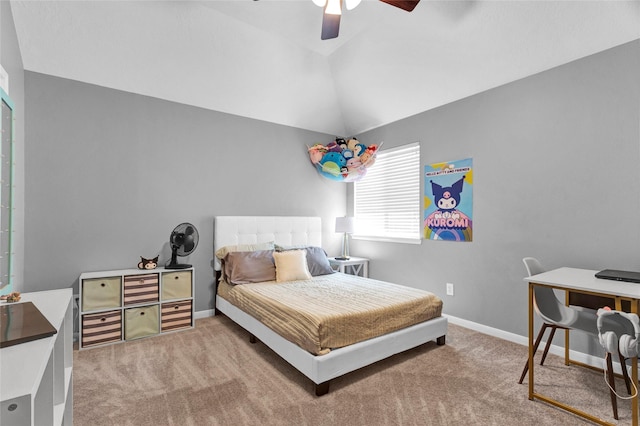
(265, 60)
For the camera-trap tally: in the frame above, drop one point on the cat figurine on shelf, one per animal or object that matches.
(148, 263)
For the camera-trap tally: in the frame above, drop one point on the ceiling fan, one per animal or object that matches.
(333, 11)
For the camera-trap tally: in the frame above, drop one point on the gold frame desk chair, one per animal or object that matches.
(556, 314)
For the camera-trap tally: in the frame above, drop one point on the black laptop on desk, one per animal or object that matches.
(613, 274)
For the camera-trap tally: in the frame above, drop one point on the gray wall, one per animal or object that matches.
(11, 61)
(555, 166)
(110, 174)
(556, 176)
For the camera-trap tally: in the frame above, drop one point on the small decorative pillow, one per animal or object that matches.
(291, 265)
(317, 260)
(242, 267)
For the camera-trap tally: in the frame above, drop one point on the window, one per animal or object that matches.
(387, 200)
(6, 194)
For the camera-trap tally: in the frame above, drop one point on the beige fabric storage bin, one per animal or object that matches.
(176, 285)
(141, 289)
(176, 315)
(101, 293)
(141, 322)
(101, 328)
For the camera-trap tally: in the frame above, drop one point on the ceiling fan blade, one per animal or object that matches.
(330, 26)
(407, 5)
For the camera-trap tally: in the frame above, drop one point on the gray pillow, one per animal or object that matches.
(242, 267)
(318, 262)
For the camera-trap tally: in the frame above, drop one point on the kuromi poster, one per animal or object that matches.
(448, 201)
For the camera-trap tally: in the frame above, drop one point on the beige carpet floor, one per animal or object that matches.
(212, 375)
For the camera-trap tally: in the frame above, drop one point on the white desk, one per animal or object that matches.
(581, 281)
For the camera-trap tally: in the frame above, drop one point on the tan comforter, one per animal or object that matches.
(331, 311)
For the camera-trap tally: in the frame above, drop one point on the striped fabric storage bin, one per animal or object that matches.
(176, 315)
(141, 289)
(102, 327)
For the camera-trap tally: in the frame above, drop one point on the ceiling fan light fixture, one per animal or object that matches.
(333, 11)
(334, 7)
(351, 4)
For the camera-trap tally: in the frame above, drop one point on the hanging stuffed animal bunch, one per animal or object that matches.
(343, 160)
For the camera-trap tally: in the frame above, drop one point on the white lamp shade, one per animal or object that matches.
(320, 3)
(345, 225)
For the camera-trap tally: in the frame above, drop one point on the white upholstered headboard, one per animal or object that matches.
(283, 230)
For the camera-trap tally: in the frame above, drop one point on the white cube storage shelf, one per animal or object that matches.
(117, 306)
(36, 386)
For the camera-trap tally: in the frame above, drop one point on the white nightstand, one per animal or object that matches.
(354, 266)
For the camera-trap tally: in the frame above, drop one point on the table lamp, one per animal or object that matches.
(344, 225)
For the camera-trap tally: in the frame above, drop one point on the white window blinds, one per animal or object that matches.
(387, 200)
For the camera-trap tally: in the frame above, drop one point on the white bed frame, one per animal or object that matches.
(284, 230)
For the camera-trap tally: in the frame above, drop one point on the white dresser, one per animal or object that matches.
(36, 376)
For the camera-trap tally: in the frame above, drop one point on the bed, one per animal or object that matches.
(319, 363)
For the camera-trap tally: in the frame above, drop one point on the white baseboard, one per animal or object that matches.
(591, 360)
(204, 314)
(495, 332)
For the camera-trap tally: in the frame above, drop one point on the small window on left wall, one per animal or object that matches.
(6, 194)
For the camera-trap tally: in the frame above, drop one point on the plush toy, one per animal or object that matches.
(11, 297)
(330, 170)
(353, 164)
(148, 263)
(343, 160)
(316, 152)
(334, 157)
(331, 165)
(347, 154)
(359, 149)
(356, 170)
(366, 158)
(334, 147)
(351, 143)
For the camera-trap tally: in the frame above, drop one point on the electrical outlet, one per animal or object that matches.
(449, 289)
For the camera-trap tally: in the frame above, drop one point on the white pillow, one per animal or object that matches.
(291, 265)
